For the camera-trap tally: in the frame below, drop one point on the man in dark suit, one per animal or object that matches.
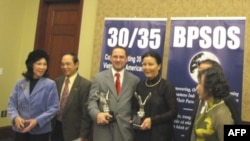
(119, 101)
(73, 122)
(229, 101)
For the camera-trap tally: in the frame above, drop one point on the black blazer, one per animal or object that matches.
(233, 107)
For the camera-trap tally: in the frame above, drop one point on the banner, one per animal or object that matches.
(196, 39)
(138, 35)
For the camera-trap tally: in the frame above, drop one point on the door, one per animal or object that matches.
(58, 31)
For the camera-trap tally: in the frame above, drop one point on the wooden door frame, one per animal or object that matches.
(41, 24)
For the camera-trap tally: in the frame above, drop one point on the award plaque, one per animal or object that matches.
(137, 119)
(103, 98)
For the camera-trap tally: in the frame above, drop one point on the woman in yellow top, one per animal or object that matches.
(212, 88)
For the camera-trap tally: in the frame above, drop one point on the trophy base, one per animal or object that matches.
(137, 122)
(136, 126)
(113, 117)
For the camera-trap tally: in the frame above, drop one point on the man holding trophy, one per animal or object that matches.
(104, 100)
(109, 102)
(154, 103)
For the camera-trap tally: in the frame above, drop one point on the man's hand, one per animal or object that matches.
(102, 118)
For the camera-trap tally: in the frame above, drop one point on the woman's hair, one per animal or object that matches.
(153, 54)
(31, 59)
(215, 82)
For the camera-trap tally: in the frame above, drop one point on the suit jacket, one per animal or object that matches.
(76, 121)
(119, 130)
(41, 104)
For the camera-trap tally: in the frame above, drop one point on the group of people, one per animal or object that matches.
(71, 108)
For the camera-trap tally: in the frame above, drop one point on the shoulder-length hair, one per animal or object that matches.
(215, 82)
(31, 59)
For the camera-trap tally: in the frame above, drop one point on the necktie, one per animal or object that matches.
(117, 83)
(64, 97)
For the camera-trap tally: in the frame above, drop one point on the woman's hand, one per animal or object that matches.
(29, 124)
(146, 124)
(19, 122)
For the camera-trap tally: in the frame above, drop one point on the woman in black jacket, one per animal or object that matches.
(155, 101)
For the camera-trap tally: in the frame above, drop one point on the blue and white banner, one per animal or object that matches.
(193, 40)
(138, 35)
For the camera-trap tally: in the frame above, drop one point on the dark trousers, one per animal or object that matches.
(57, 134)
(31, 137)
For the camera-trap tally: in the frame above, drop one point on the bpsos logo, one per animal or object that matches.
(196, 59)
